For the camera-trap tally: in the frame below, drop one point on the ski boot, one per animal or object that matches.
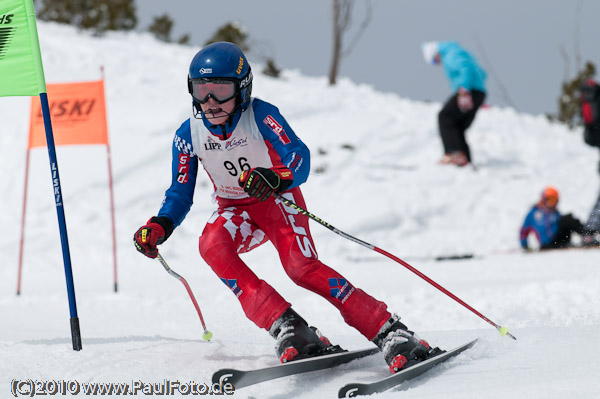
(402, 348)
(590, 239)
(296, 340)
(457, 158)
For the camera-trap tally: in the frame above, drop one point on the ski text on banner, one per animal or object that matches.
(78, 114)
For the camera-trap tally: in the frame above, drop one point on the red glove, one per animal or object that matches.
(262, 182)
(153, 233)
(464, 100)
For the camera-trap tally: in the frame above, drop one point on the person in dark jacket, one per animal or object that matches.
(590, 114)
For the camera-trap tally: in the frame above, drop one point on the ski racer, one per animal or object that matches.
(249, 151)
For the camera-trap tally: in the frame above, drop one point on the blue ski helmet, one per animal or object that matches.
(223, 61)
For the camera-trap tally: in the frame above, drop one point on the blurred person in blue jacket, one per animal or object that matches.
(467, 80)
(551, 228)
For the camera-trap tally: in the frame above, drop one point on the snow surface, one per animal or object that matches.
(374, 175)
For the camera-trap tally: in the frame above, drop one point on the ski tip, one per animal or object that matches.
(395, 380)
(350, 390)
(226, 376)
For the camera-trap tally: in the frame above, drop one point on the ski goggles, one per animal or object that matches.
(220, 90)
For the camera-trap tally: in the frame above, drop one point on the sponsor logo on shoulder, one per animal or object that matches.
(183, 168)
(277, 129)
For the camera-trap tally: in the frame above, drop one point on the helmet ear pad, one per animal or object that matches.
(244, 96)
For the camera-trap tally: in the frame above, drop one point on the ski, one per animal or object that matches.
(240, 378)
(356, 389)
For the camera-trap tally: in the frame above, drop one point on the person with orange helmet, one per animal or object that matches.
(551, 228)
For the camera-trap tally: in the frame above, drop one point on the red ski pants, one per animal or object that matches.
(238, 226)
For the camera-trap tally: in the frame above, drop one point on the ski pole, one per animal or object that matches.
(206, 335)
(503, 330)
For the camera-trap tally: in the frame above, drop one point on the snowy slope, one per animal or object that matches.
(374, 175)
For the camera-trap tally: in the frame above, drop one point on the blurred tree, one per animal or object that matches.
(97, 15)
(233, 32)
(342, 21)
(271, 69)
(161, 29)
(569, 102)
(184, 39)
